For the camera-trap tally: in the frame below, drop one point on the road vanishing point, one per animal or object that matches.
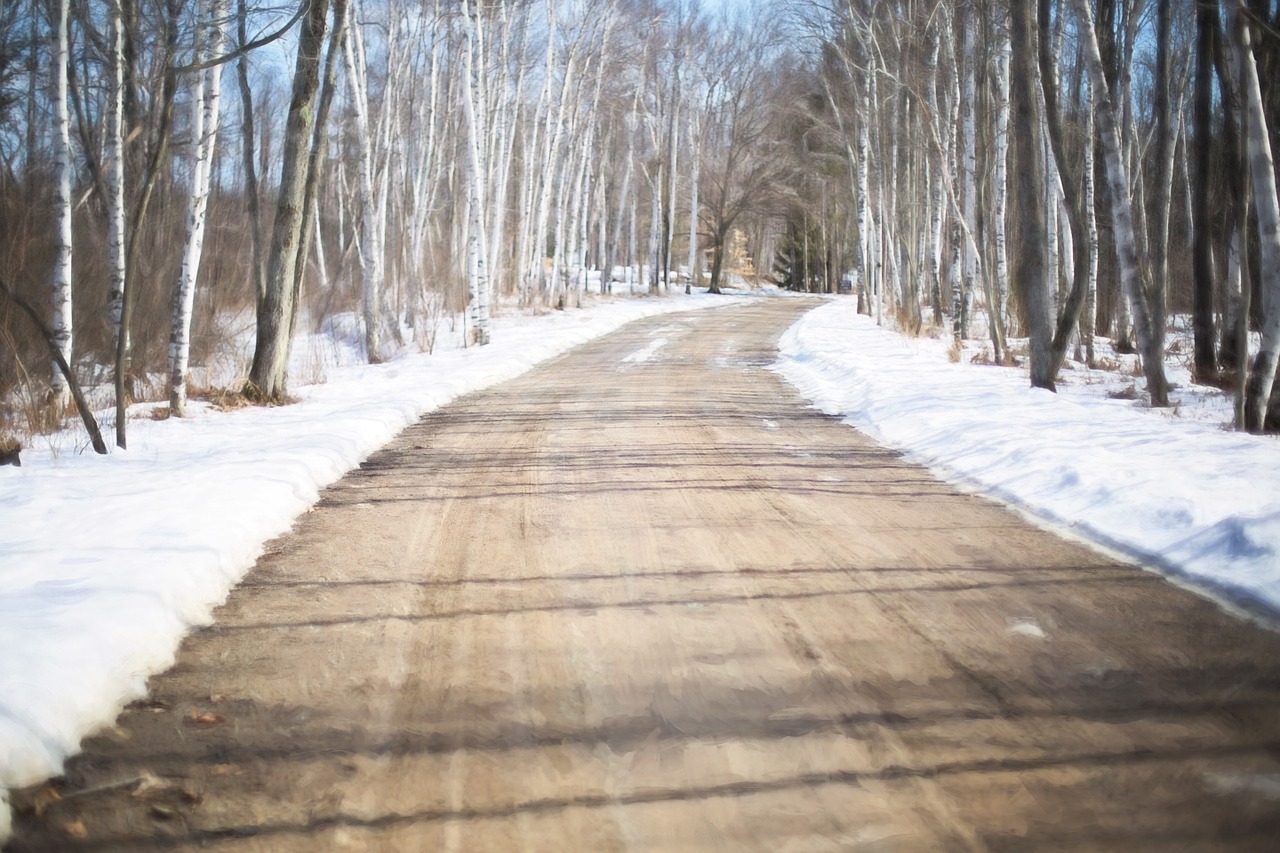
(644, 599)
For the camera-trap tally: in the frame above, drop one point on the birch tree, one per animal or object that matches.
(205, 104)
(1000, 178)
(277, 303)
(1083, 269)
(62, 324)
(115, 160)
(1132, 273)
(371, 210)
(1205, 363)
(1267, 206)
(1033, 263)
(477, 250)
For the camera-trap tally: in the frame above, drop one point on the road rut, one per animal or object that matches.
(642, 598)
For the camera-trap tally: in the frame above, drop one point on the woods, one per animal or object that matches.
(1039, 175)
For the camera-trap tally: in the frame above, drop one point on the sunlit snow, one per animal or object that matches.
(105, 562)
(1173, 488)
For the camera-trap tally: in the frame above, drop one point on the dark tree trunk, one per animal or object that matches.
(275, 309)
(1029, 247)
(1204, 366)
(1075, 202)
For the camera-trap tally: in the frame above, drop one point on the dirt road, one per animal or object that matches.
(643, 599)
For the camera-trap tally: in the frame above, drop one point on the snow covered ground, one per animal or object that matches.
(105, 562)
(1174, 487)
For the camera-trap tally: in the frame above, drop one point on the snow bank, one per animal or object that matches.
(105, 562)
(1194, 500)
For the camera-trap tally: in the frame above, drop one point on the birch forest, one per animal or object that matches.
(1064, 179)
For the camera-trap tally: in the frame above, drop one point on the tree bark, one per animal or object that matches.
(1000, 180)
(207, 92)
(1032, 241)
(268, 377)
(1132, 274)
(1267, 210)
(63, 166)
(477, 249)
(115, 156)
(1204, 365)
(1158, 242)
(1069, 314)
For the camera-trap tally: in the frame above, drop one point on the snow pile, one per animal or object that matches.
(1187, 496)
(106, 561)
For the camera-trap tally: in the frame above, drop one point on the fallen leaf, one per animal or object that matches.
(206, 718)
(45, 797)
(75, 828)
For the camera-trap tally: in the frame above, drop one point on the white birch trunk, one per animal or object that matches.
(1267, 210)
(1000, 180)
(115, 168)
(1132, 275)
(477, 272)
(655, 229)
(695, 167)
(934, 179)
(205, 105)
(865, 279)
(62, 317)
(370, 256)
(1089, 319)
(969, 167)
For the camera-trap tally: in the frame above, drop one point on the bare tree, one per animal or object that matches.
(1031, 247)
(1132, 273)
(304, 126)
(1262, 170)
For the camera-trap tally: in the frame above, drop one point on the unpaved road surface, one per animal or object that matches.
(643, 599)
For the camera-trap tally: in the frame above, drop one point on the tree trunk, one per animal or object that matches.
(268, 377)
(258, 268)
(63, 166)
(1000, 180)
(1075, 202)
(207, 94)
(1204, 366)
(695, 140)
(1158, 242)
(1089, 322)
(1267, 210)
(1032, 241)
(1132, 274)
(116, 245)
(477, 250)
(371, 259)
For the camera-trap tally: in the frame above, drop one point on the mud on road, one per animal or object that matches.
(644, 599)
